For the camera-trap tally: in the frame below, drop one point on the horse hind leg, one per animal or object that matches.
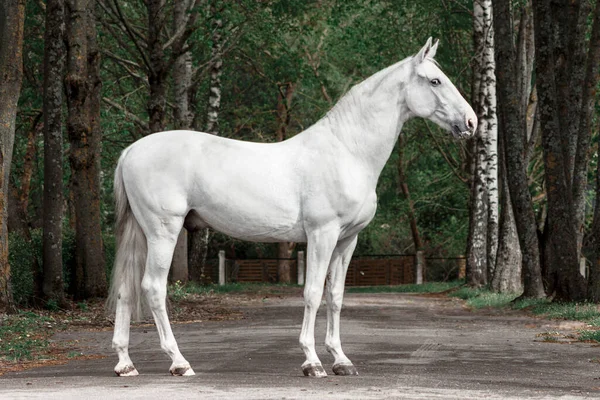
(121, 335)
(154, 286)
(335, 294)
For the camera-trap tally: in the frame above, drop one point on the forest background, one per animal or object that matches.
(83, 79)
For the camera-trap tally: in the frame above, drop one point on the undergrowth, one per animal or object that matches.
(23, 335)
(429, 287)
(179, 291)
(584, 312)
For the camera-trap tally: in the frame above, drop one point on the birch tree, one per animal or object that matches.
(482, 242)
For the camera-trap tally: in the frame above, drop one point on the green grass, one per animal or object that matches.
(179, 291)
(589, 335)
(481, 298)
(584, 312)
(23, 334)
(429, 287)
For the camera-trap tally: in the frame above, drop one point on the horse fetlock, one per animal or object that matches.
(333, 346)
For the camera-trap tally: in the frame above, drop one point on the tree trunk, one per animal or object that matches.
(18, 218)
(83, 98)
(594, 280)
(507, 275)
(12, 14)
(214, 100)
(512, 124)
(562, 244)
(284, 104)
(403, 185)
(157, 74)
(580, 172)
(284, 268)
(482, 242)
(54, 66)
(199, 241)
(183, 117)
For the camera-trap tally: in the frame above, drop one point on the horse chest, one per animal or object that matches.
(356, 215)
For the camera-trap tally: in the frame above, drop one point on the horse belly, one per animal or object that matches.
(256, 227)
(260, 212)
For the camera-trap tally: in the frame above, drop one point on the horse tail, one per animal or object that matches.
(130, 260)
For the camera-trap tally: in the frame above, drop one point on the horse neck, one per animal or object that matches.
(368, 119)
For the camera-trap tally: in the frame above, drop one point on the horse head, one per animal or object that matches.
(431, 95)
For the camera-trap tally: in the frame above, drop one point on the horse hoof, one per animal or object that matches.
(345, 370)
(314, 370)
(185, 370)
(128, 370)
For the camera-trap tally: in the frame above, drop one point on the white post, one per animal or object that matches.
(221, 267)
(419, 264)
(300, 264)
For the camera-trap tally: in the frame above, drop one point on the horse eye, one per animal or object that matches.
(435, 82)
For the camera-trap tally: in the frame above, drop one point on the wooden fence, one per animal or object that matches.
(362, 271)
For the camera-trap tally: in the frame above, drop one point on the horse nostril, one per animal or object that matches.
(471, 124)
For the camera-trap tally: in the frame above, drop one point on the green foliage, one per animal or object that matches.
(590, 335)
(22, 253)
(572, 311)
(52, 305)
(22, 335)
(429, 287)
(321, 47)
(480, 298)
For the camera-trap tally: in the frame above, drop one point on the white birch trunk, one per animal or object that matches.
(489, 122)
(477, 245)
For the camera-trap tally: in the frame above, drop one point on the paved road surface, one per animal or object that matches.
(404, 346)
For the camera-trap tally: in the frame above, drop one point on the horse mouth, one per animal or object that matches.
(459, 134)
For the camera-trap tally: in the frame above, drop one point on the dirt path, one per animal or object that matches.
(404, 346)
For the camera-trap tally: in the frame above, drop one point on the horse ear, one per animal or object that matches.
(433, 49)
(428, 51)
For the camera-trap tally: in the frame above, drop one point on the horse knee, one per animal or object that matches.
(312, 297)
(153, 293)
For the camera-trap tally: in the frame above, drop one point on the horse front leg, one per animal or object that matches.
(320, 245)
(335, 295)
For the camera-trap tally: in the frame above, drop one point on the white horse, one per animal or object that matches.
(317, 187)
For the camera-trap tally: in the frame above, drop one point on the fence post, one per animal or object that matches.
(419, 266)
(221, 267)
(300, 264)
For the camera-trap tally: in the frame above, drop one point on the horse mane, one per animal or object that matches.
(372, 84)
